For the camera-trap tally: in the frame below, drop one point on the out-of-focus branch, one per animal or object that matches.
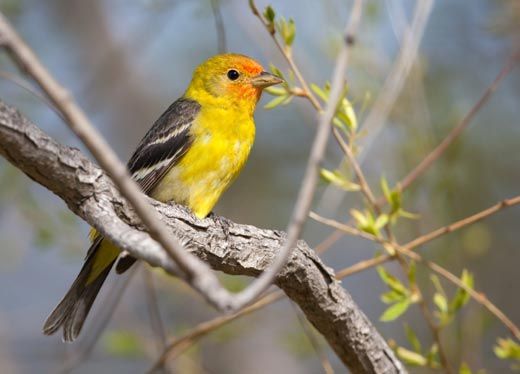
(152, 302)
(397, 76)
(462, 223)
(245, 250)
(219, 26)
(434, 155)
(194, 271)
(87, 343)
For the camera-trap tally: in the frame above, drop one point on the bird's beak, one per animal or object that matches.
(265, 79)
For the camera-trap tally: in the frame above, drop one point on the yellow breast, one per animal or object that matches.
(221, 145)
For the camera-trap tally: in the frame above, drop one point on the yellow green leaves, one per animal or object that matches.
(445, 308)
(416, 356)
(123, 343)
(279, 100)
(345, 117)
(410, 357)
(367, 222)
(285, 28)
(283, 93)
(394, 199)
(338, 179)
(508, 349)
(269, 16)
(399, 296)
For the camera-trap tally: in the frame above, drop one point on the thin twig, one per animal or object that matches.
(308, 185)
(152, 303)
(478, 297)
(219, 26)
(395, 81)
(181, 344)
(475, 295)
(462, 223)
(25, 85)
(434, 155)
(95, 330)
(196, 272)
(306, 91)
(311, 336)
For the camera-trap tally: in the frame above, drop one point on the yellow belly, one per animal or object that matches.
(213, 161)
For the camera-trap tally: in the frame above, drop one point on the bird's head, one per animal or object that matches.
(230, 78)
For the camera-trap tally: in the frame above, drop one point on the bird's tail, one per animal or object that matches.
(73, 309)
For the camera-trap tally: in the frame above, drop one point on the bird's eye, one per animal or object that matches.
(233, 74)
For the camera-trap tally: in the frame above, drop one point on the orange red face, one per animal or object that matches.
(246, 78)
(235, 76)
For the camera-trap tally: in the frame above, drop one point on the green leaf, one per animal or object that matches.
(464, 369)
(275, 91)
(269, 14)
(337, 179)
(381, 221)
(291, 32)
(318, 91)
(412, 338)
(411, 273)
(276, 71)
(461, 296)
(275, 102)
(433, 356)
(441, 302)
(123, 343)
(507, 349)
(391, 297)
(411, 358)
(347, 114)
(391, 281)
(395, 310)
(386, 189)
(437, 284)
(360, 218)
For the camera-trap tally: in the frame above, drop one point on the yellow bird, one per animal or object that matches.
(190, 156)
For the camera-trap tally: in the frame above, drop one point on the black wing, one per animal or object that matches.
(161, 148)
(164, 144)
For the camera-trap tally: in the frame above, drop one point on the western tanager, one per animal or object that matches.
(190, 156)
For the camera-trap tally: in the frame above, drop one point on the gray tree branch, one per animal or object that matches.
(246, 250)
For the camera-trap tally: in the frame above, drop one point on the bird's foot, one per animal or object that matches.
(224, 223)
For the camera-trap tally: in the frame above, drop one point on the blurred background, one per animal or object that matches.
(126, 61)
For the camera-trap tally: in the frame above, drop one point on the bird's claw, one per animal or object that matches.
(224, 223)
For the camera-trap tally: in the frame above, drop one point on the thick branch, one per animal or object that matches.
(247, 250)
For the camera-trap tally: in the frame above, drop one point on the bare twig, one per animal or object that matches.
(87, 344)
(397, 76)
(434, 155)
(308, 185)
(311, 336)
(462, 223)
(152, 303)
(219, 26)
(25, 85)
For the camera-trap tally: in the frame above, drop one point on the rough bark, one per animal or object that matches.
(234, 249)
